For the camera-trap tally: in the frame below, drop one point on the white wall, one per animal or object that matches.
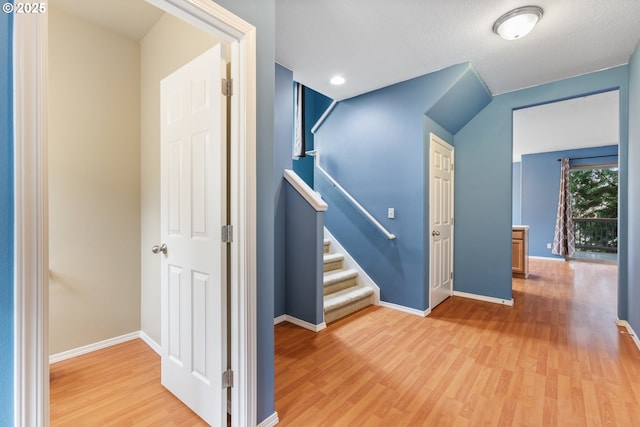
(170, 44)
(94, 183)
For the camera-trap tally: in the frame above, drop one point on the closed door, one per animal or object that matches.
(441, 220)
(194, 257)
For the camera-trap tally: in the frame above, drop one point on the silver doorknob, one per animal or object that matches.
(435, 233)
(162, 248)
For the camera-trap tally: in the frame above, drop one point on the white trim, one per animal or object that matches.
(31, 250)
(151, 342)
(280, 319)
(301, 323)
(312, 197)
(270, 421)
(350, 263)
(31, 290)
(415, 312)
(633, 335)
(435, 139)
(484, 298)
(324, 116)
(546, 258)
(69, 354)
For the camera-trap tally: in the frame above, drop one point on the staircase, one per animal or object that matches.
(343, 294)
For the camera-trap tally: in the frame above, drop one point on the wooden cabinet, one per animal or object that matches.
(520, 252)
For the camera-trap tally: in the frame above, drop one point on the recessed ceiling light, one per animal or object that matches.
(337, 80)
(517, 23)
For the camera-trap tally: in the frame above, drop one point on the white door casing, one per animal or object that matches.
(440, 220)
(193, 211)
(31, 373)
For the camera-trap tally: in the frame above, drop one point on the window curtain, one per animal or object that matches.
(563, 239)
(299, 145)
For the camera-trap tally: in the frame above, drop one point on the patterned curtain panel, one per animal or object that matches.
(299, 145)
(563, 240)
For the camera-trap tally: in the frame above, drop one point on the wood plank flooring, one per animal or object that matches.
(556, 358)
(116, 386)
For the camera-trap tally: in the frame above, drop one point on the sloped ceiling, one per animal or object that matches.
(375, 43)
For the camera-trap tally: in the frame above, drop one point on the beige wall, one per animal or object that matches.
(170, 44)
(94, 183)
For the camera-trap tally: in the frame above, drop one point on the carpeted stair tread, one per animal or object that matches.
(335, 276)
(329, 258)
(346, 297)
(337, 280)
(332, 262)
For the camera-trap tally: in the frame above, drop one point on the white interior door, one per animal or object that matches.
(441, 220)
(194, 264)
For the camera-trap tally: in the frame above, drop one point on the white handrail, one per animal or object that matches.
(349, 197)
(323, 117)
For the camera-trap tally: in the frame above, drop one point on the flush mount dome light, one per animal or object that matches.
(337, 80)
(517, 23)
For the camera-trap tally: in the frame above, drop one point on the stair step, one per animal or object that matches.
(347, 301)
(338, 280)
(332, 262)
(327, 243)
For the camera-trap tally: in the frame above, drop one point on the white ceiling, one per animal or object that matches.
(375, 43)
(591, 121)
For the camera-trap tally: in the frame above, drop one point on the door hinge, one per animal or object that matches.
(227, 378)
(227, 233)
(227, 87)
(451, 275)
(452, 166)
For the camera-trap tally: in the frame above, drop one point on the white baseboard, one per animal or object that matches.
(93, 347)
(547, 258)
(633, 335)
(415, 312)
(151, 342)
(301, 323)
(270, 421)
(508, 302)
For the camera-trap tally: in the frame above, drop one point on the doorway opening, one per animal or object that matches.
(594, 204)
(31, 207)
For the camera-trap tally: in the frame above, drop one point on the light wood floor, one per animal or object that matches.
(116, 386)
(556, 358)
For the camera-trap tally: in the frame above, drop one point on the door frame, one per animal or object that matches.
(433, 138)
(31, 296)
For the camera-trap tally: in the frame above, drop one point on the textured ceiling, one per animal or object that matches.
(375, 43)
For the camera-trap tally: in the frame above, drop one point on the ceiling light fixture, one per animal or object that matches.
(337, 80)
(518, 22)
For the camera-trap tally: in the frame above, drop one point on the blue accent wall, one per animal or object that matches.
(376, 146)
(516, 194)
(634, 191)
(261, 14)
(484, 177)
(283, 140)
(315, 104)
(540, 188)
(6, 220)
